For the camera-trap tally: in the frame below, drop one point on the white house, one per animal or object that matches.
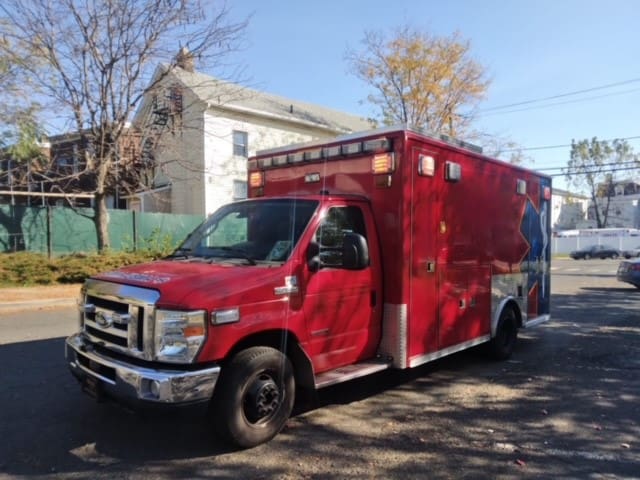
(624, 205)
(568, 210)
(200, 131)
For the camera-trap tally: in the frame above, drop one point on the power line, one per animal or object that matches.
(631, 162)
(549, 147)
(586, 172)
(561, 95)
(577, 100)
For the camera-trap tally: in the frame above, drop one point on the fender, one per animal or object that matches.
(511, 301)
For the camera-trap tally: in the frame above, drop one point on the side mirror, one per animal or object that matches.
(313, 257)
(355, 252)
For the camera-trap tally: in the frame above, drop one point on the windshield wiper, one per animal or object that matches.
(237, 252)
(181, 253)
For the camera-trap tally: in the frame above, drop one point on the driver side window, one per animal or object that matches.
(330, 233)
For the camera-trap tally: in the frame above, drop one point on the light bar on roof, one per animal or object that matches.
(351, 148)
(313, 154)
(330, 152)
(279, 160)
(265, 162)
(295, 157)
(377, 145)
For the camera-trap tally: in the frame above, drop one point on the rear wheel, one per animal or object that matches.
(254, 397)
(501, 346)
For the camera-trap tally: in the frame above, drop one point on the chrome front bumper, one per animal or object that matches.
(126, 382)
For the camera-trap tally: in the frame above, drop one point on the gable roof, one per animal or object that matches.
(228, 96)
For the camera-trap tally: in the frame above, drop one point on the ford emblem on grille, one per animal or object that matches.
(103, 319)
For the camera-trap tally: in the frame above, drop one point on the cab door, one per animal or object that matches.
(342, 307)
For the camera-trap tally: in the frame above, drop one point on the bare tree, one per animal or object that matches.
(502, 147)
(95, 62)
(596, 165)
(420, 79)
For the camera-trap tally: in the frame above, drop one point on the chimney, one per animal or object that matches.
(185, 60)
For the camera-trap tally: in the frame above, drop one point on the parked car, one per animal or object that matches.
(629, 272)
(632, 252)
(595, 251)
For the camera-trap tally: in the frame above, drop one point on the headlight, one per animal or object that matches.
(178, 335)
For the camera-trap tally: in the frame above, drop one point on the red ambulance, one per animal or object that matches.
(383, 249)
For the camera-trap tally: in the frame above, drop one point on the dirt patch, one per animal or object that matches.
(44, 292)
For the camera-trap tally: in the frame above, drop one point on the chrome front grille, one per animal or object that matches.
(119, 317)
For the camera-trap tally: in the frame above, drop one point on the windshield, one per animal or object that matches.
(253, 230)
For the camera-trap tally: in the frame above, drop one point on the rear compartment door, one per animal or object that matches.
(423, 299)
(464, 304)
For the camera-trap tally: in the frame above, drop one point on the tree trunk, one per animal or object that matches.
(101, 221)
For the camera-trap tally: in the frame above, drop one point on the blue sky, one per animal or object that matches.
(531, 50)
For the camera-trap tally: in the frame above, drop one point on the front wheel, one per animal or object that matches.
(501, 346)
(254, 397)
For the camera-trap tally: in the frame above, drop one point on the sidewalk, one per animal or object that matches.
(38, 297)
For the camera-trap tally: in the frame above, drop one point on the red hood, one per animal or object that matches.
(201, 285)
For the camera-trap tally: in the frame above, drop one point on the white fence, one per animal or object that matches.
(563, 245)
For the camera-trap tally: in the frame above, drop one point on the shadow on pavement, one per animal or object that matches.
(571, 388)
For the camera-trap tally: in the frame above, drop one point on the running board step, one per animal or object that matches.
(349, 372)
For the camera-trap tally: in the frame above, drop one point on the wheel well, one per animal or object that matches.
(516, 308)
(506, 303)
(287, 343)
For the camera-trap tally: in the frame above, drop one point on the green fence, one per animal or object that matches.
(61, 230)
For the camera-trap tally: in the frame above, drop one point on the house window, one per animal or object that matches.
(240, 142)
(239, 190)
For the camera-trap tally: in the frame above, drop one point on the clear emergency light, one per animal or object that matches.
(521, 187)
(452, 172)
(426, 166)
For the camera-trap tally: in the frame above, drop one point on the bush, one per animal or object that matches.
(25, 268)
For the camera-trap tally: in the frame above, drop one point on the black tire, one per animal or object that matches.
(502, 345)
(254, 397)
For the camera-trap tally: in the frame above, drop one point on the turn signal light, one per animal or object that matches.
(383, 163)
(256, 179)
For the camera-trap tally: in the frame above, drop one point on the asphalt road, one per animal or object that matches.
(567, 405)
